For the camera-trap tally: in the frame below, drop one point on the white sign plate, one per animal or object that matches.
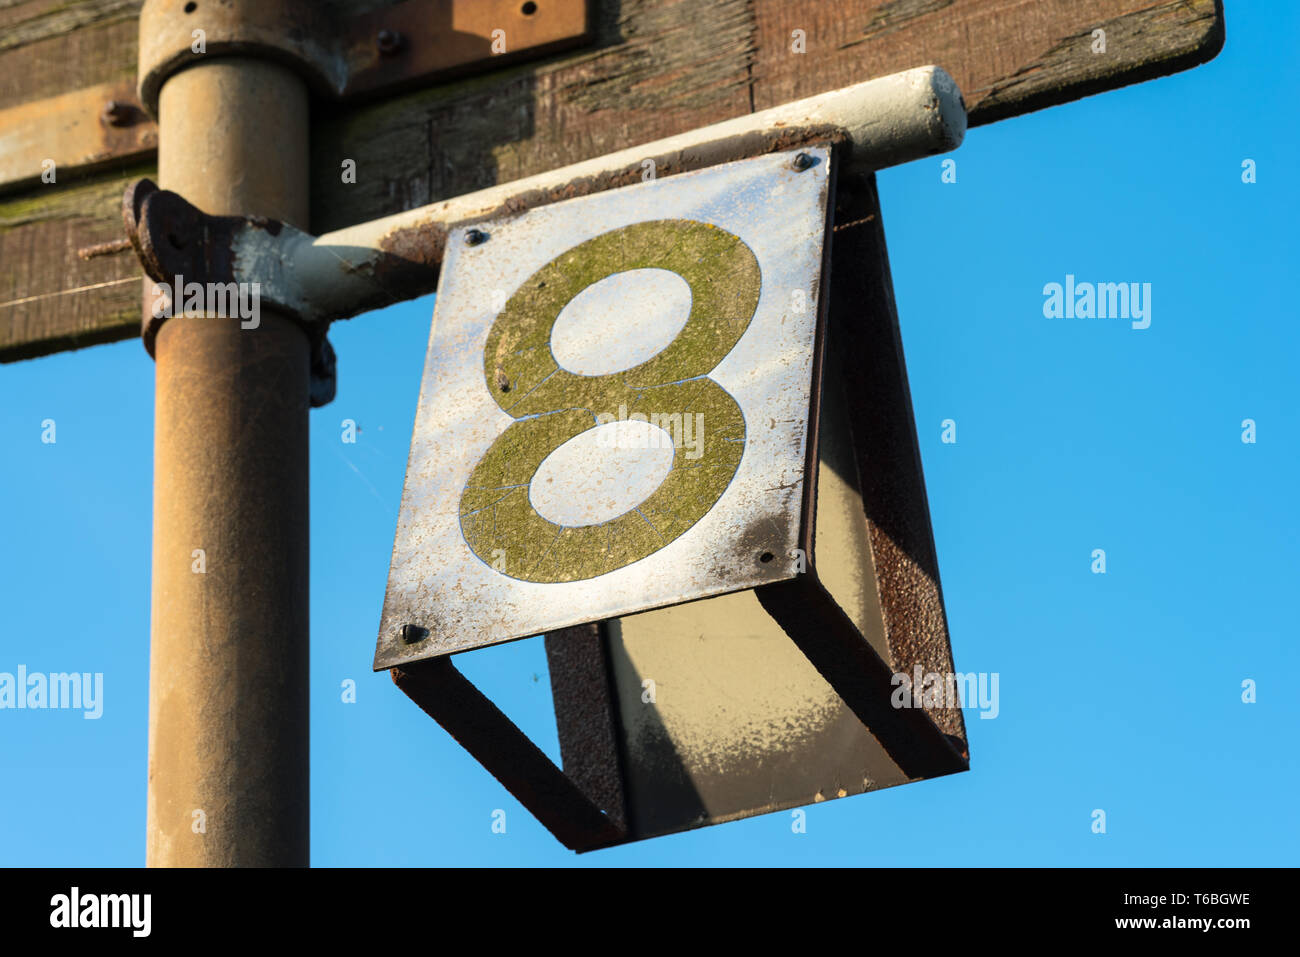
(615, 406)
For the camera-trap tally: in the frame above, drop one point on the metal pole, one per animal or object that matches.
(228, 695)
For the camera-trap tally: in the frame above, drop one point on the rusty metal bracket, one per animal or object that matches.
(177, 242)
(864, 681)
(559, 802)
(378, 51)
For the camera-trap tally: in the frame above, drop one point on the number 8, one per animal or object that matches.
(552, 405)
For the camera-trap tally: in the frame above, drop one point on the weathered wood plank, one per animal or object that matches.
(51, 299)
(1007, 56)
(655, 68)
(661, 68)
(48, 48)
(76, 132)
(74, 50)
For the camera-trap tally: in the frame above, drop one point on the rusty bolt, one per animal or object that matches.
(475, 237)
(389, 42)
(116, 113)
(802, 161)
(413, 633)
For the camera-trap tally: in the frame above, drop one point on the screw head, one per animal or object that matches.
(475, 237)
(116, 113)
(412, 633)
(803, 161)
(389, 42)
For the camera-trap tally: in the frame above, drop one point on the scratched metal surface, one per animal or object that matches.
(460, 601)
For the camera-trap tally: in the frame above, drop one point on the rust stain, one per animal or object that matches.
(409, 259)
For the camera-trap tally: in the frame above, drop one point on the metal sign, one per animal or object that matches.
(614, 411)
(764, 698)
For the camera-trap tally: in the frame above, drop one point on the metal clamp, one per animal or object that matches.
(173, 238)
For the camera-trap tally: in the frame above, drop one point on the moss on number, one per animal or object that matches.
(554, 405)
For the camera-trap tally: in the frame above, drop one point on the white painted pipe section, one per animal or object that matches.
(884, 122)
(889, 120)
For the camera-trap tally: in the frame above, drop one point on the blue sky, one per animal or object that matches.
(1119, 691)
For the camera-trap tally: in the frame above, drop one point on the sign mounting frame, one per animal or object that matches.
(586, 805)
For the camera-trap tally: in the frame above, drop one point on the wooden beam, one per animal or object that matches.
(661, 68)
(655, 68)
(48, 48)
(51, 298)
